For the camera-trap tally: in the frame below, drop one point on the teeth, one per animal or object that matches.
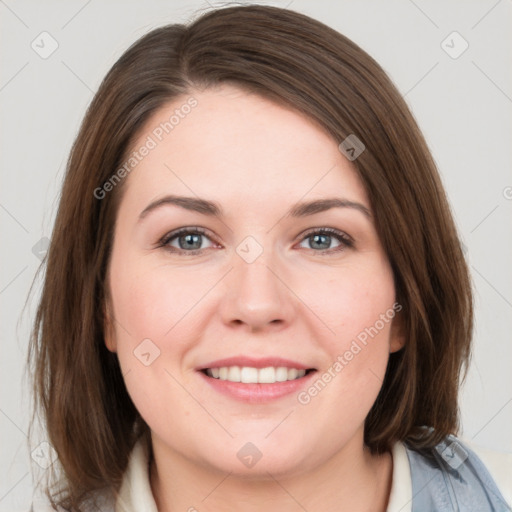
(266, 375)
(249, 375)
(234, 374)
(292, 374)
(281, 374)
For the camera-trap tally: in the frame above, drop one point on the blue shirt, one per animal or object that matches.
(451, 477)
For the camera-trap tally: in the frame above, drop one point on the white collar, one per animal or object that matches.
(135, 492)
(400, 498)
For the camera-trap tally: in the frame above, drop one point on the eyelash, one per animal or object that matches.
(345, 240)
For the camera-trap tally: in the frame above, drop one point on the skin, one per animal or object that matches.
(256, 159)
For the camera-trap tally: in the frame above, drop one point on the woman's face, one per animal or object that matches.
(259, 295)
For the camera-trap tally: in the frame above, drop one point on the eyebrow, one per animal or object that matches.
(213, 209)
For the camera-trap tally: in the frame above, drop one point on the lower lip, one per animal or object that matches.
(257, 393)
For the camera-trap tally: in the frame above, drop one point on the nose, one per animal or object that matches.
(257, 297)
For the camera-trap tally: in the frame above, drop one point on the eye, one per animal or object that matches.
(188, 240)
(320, 240)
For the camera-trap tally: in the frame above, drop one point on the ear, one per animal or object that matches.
(397, 335)
(109, 332)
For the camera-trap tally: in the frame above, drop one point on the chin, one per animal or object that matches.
(258, 460)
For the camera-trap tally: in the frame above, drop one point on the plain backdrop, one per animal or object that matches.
(461, 97)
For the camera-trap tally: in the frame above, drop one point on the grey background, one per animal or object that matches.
(463, 106)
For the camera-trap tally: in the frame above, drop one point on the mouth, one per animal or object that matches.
(256, 380)
(251, 375)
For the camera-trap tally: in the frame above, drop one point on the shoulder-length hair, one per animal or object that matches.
(303, 64)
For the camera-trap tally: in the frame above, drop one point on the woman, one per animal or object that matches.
(255, 296)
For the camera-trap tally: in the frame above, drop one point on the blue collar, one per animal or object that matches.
(451, 478)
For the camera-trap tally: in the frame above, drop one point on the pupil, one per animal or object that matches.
(189, 243)
(317, 242)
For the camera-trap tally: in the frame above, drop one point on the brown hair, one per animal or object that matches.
(298, 62)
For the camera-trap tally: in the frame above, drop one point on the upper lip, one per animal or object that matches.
(253, 362)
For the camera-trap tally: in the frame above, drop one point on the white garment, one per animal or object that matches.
(136, 495)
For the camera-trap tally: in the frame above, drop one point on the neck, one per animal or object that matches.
(352, 480)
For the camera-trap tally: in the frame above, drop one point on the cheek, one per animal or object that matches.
(358, 307)
(155, 303)
(353, 302)
(159, 317)
(150, 324)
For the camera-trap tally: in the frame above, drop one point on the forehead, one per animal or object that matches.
(240, 147)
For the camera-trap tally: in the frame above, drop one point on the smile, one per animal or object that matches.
(256, 380)
(250, 375)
